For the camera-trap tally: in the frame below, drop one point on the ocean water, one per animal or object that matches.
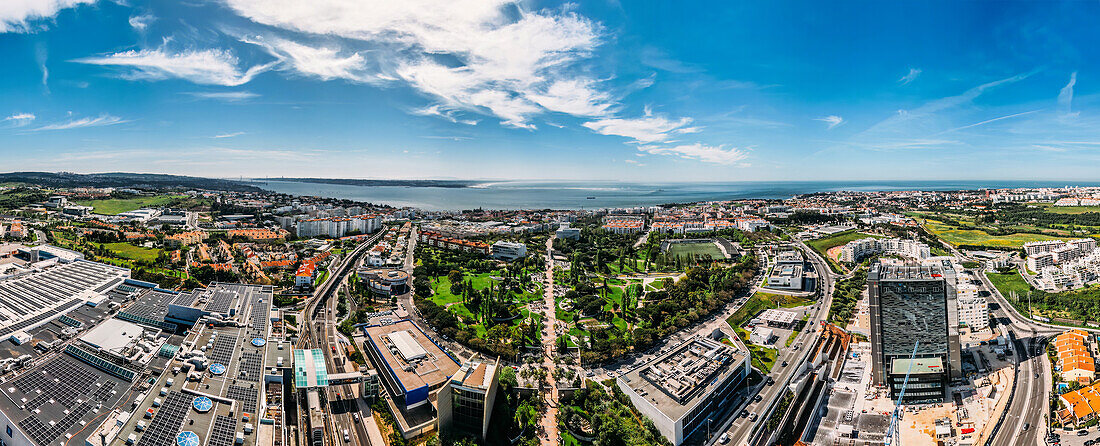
(607, 194)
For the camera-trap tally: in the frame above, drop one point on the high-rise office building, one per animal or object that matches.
(466, 399)
(911, 304)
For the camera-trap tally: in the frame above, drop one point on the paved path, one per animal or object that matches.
(549, 420)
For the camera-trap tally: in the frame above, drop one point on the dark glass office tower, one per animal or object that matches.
(910, 304)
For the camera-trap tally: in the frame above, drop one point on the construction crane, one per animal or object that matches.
(893, 433)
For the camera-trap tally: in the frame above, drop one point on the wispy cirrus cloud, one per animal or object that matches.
(322, 62)
(20, 119)
(700, 152)
(224, 95)
(991, 120)
(649, 128)
(831, 120)
(207, 66)
(228, 135)
(1065, 98)
(24, 16)
(910, 77)
(99, 121)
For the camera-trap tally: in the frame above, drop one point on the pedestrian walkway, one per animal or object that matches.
(549, 422)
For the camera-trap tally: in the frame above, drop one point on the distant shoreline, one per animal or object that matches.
(449, 184)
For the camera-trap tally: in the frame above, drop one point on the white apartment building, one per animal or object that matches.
(1056, 252)
(338, 227)
(857, 250)
(973, 308)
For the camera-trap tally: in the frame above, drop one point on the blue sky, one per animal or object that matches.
(496, 89)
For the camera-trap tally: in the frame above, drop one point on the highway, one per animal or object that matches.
(1029, 402)
(740, 429)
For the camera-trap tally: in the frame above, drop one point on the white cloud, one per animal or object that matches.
(224, 95)
(142, 21)
(1065, 97)
(910, 77)
(700, 152)
(228, 135)
(647, 129)
(100, 121)
(321, 62)
(20, 119)
(209, 66)
(832, 120)
(501, 58)
(23, 16)
(439, 111)
(576, 97)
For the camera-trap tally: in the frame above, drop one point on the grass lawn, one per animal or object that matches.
(956, 236)
(1070, 210)
(128, 251)
(698, 249)
(783, 300)
(114, 206)
(1008, 283)
(763, 358)
(320, 278)
(753, 306)
(822, 245)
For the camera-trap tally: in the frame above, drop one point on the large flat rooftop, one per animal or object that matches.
(37, 296)
(427, 365)
(54, 400)
(677, 381)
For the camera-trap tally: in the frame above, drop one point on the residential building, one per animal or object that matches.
(1075, 360)
(305, 275)
(624, 224)
(914, 306)
(858, 250)
(973, 308)
(466, 399)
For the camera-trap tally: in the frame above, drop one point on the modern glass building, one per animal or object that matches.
(911, 304)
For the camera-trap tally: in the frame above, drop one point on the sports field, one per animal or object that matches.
(698, 249)
(956, 236)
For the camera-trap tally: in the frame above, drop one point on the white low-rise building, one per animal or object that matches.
(857, 250)
(508, 250)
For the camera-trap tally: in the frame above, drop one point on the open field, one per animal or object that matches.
(115, 206)
(1008, 283)
(823, 245)
(128, 251)
(956, 236)
(697, 249)
(1069, 210)
(783, 300)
